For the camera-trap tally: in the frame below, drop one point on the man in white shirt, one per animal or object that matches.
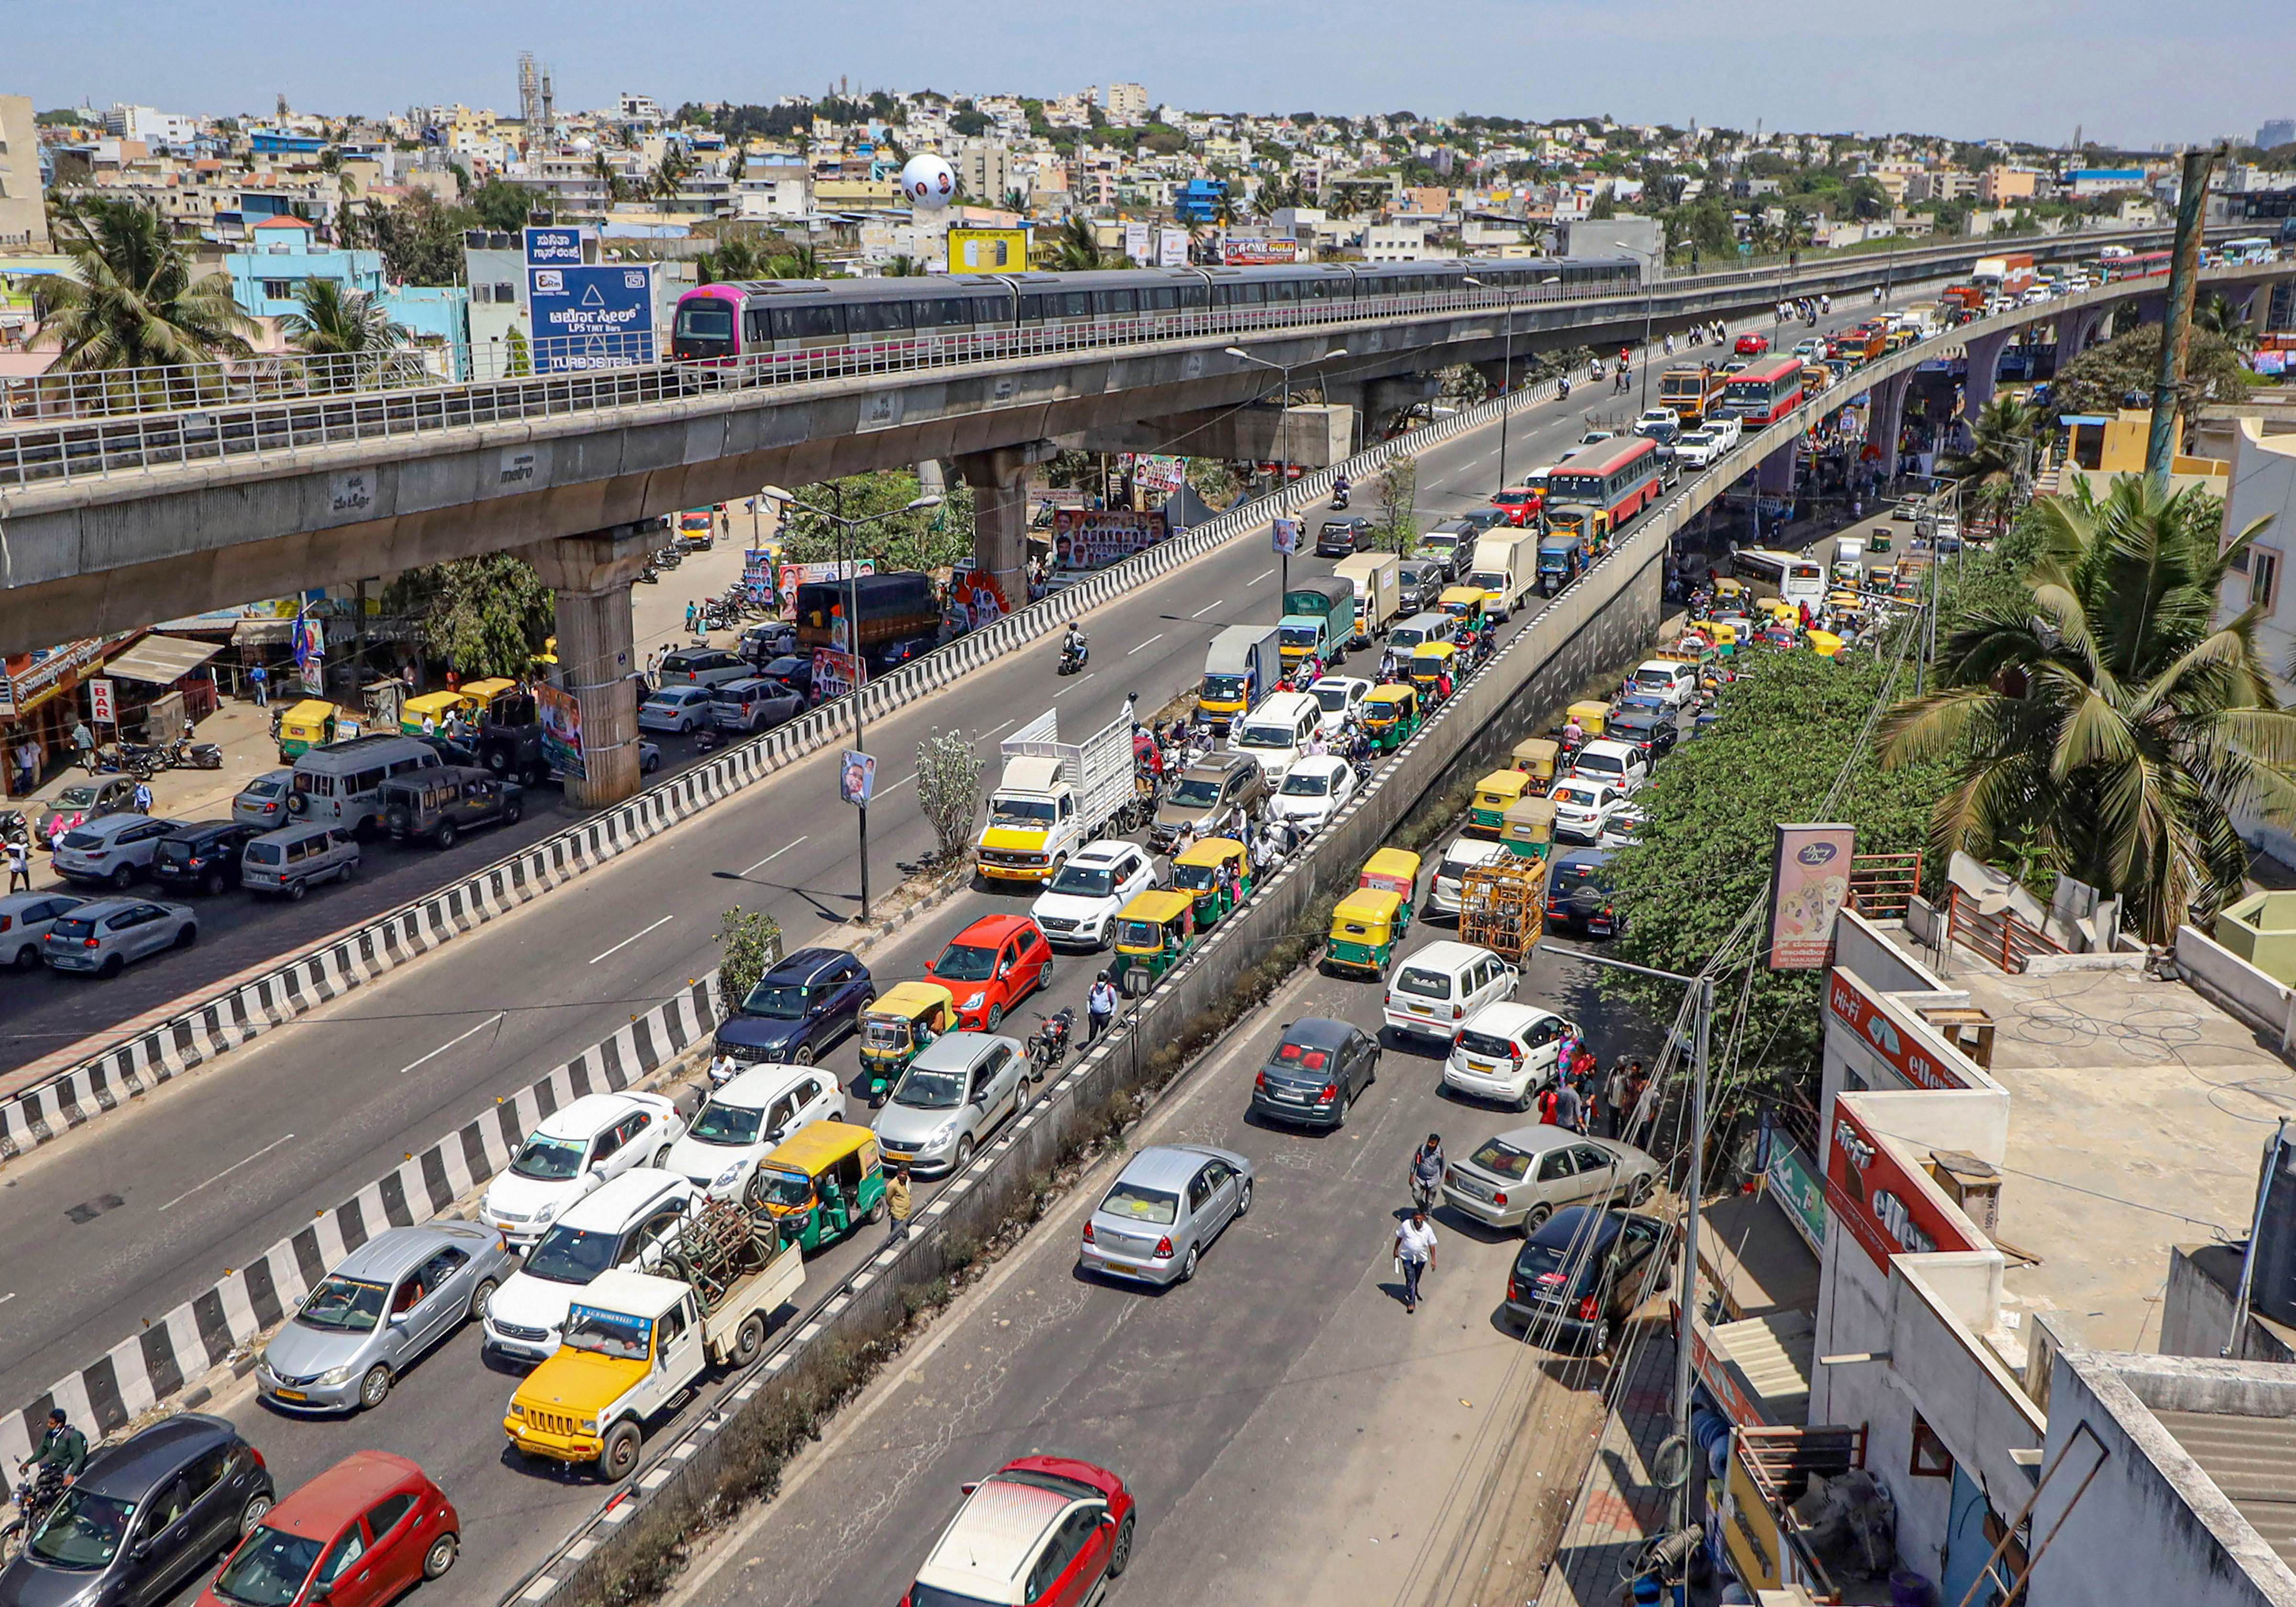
(1414, 1252)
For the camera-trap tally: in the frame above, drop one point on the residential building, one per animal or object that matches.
(2275, 131)
(23, 208)
(1125, 104)
(2262, 484)
(780, 191)
(1395, 243)
(268, 280)
(1998, 185)
(155, 128)
(983, 170)
(640, 109)
(2082, 182)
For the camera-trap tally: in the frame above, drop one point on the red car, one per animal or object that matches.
(992, 965)
(1043, 1532)
(1520, 503)
(1752, 345)
(367, 1530)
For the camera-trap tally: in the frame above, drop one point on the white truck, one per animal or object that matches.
(1054, 797)
(1505, 567)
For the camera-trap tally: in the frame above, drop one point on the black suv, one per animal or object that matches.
(144, 1518)
(443, 803)
(509, 739)
(1654, 731)
(203, 855)
(1579, 1278)
(1342, 537)
(799, 1008)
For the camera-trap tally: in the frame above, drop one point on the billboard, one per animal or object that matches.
(1810, 882)
(561, 730)
(1171, 247)
(1090, 539)
(553, 248)
(987, 250)
(832, 673)
(591, 317)
(1135, 243)
(1258, 253)
(793, 575)
(856, 776)
(1887, 1207)
(1155, 471)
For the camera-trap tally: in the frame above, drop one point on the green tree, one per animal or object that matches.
(1996, 470)
(1398, 494)
(485, 615)
(1605, 205)
(501, 206)
(336, 320)
(2105, 725)
(420, 238)
(948, 791)
(749, 945)
(924, 541)
(1075, 250)
(2217, 314)
(2102, 378)
(132, 300)
(609, 179)
(734, 258)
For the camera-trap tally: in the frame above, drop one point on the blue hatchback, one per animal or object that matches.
(799, 1008)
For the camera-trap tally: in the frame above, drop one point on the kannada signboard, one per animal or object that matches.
(562, 731)
(1810, 882)
(1135, 243)
(553, 248)
(591, 317)
(1800, 1192)
(1091, 538)
(1884, 1207)
(987, 250)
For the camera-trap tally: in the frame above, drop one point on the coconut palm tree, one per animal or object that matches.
(348, 327)
(132, 300)
(801, 261)
(1075, 250)
(732, 259)
(1995, 471)
(2106, 724)
(609, 179)
(2215, 314)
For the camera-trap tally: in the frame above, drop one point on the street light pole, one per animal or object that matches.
(1282, 458)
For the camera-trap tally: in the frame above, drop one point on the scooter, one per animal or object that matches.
(1339, 496)
(184, 754)
(1072, 658)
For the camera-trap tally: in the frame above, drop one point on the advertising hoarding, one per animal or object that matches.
(591, 317)
(1810, 882)
(987, 250)
(1091, 538)
(1887, 1210)
(562, 731)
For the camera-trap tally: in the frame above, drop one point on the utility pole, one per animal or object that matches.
(2176, 327)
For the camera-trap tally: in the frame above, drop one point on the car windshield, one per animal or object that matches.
(1333, 698)
(261, 787)
(344, 1306)
(1301, 635)
(1086, 880)
(776, 1001)
(1197, 791)
(922, 1594)
(1426, 984)
(1605, 764)
(925, 1088)
(1264, 736)
(1651, 675)
(76, 797)
(1020, 811)
(1699, 438)
(1487, 1044)
(549, 1159)
(84, 1530)
(572, 1255)
(1542, 1267)
(1135, 1203)
(607, 1333)
(1582, 797)
(268, 1567)
(74, 928)
(1501, 1160)
(965, 962)
(1224, 689)
(1306, 784)
(720, 1123)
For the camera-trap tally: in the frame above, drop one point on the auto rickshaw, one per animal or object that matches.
(1844, 602)
(1198, 872)
(313, 723)
(1365, 927)
(1495, 795)
(1391, 870)
(1154, 933)
(1728, 593)
(822, 1182)
(482, 695)
(433, 705)
(1528, 832)
(1464, 602)
(1824, 644)
(1726, 638)
(1390, 714)
(1431, 660)
(902, 1021)
(1591, 715)
(1534, 757)
(1879, 576)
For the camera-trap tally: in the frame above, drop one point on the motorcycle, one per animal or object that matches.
(1339, 496)
(649, 576)
(1072, 658)
(33, 1501)
(138, 759)
(1048, 1045)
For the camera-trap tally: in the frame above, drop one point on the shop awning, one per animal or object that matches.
(262, 633)
(161, 659)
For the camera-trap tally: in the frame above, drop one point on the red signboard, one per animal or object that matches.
(1853, 1004)
(1886, 1209)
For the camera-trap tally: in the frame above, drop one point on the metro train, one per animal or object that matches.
(728, 322)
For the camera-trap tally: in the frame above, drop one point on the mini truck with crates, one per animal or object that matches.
(1055, 797)
(636, 1342)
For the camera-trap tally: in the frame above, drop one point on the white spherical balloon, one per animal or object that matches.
(928, 182)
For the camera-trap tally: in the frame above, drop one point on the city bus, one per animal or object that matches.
(2254, 250)
(1692, 391)
(1761, 395)
(1620, 476)
(1794, 577)
(2137, 264)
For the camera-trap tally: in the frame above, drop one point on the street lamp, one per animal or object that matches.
(846, 525)
(1506, 363)
(1283, 460)
(1693, 1184)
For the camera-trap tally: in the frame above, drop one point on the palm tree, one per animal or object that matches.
(132, 301)
(1075, 250)
(337, 322)
(2107, 725)
(729, 261)
(669, 174)
(609, 177)
(903, 267)
(2215, 314)
(1995, 468)
(801, 261)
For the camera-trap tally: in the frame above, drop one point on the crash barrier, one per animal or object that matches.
(96, 1084)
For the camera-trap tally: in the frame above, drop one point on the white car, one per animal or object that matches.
(1624, 829)
(745, 1118)
(623, 1224)
(1505, 1052)
(24, 921)
(1079, 910)
(685, 708)
(1670, 680)
(579, 1147)
(1464, 854)
(1725, 432)
(1697, 448)
(1617, 763)
(1341, 699)
(1658, 424)
(111, 848)
(1317, 788)
(1596, 436)
(1583, 808)
(1441, 984)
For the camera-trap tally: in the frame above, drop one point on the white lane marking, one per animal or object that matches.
(1256, 580)
(220, 1175)
(1065, 690)
(451, 1042)
(998, 727)
(1129, 651)
(5, 1299)
(626, 942)
(887, 791)
(1201, 613)
(768, 859)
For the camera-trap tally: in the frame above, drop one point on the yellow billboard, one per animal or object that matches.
(987, 250)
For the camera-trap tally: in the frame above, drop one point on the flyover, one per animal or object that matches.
(108, 522)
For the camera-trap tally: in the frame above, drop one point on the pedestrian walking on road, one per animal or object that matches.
(896, 1206)
(20, 865)
(691, 614)
(1569, 1110)
(1099, 1008)
(84, 746)
(143, 798)
(258, 679)
(1414, 1253)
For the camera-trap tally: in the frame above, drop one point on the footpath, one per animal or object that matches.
(1618, 1506)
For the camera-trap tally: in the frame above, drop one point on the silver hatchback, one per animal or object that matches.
(953, 1096)
(104, 934)
(1168, 1203)
(374, 1316)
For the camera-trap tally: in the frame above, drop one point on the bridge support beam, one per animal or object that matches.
(591, 576)
(1311, 435)
(999, 480)
(1984, 365)
(1886, 421)
(1775, 475)
(1377, 402)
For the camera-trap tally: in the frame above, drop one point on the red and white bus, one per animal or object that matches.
(1620, 476)
(1761, 394)
(2143, 265)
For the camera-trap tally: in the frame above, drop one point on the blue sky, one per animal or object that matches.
(2032, 70)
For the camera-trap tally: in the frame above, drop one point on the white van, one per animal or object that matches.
(1276, 732)
(623, 1223)
(1435, 989)
(340, 784)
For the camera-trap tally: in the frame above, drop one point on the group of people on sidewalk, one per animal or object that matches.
(1622, 1103)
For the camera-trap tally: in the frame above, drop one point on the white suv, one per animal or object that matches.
(1669, 678)
(1079, 910)
(623, 1225)
(744, 1119)
(1622, 767)
(111, 848)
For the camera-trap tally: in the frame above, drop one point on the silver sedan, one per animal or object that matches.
(1169, 1204)
(1520, 1178)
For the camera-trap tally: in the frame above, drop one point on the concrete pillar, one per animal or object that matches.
(1885, 422)
(1984, 363)
(999, 480)
(591, 574)
(1775, 475)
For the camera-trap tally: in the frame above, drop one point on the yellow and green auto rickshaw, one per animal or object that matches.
(1591, 715)
(1726, 638)
(1390, 714)
(1495, 794)
(822, 1182)
(1728, 594)
(1391, 871)
(1528, 832)
(313, 723)
(1464, 602)
(1365, 927)
(1153, 932)
(1534, 757)
(1198, 872)
(481, 695)
(433, 706)
(897, 1024)
(1824, 644)
(1431, 661)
